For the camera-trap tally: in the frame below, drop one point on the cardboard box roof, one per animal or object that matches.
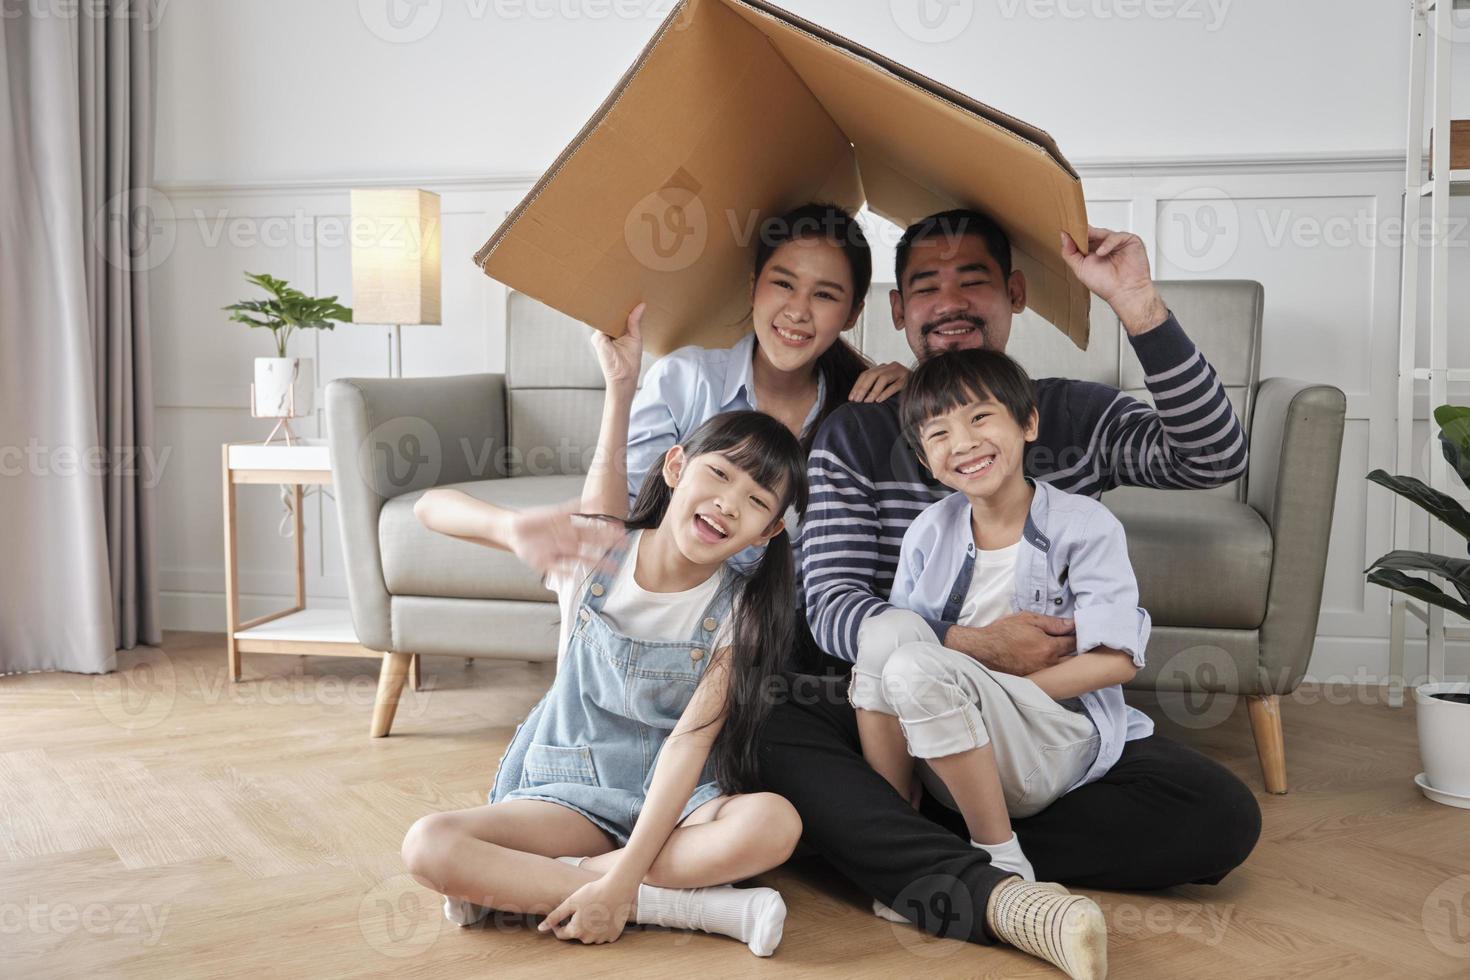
(737, 110)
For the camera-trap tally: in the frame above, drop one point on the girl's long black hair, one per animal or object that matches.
(840, 364)
(765, 613)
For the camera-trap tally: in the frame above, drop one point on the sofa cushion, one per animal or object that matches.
(1201, 559)
(416, 561)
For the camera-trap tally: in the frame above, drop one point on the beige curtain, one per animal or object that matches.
(77, 577)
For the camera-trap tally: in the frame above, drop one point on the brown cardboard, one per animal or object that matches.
(737, 110)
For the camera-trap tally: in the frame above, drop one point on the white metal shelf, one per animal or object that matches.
(1452, 375)
(1458, 181)
(1431, 32)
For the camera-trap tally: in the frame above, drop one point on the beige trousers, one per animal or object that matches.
(947, 703)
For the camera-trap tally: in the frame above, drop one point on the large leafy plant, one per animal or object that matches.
(1392, 570)
(287, 310)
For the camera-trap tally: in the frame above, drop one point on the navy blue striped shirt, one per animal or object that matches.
(867, 485)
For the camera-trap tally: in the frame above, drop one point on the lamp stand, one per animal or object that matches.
(395, 353)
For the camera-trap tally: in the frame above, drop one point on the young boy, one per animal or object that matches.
(1002, 745)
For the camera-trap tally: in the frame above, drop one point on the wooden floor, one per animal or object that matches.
(160, 822)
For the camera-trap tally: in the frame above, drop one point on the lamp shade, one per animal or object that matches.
(395, 256)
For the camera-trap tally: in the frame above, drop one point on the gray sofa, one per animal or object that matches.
(1232, 576)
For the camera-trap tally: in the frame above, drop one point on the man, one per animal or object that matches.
(1164, 814)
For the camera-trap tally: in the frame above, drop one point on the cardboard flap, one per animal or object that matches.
(924, 148)
(736, 111)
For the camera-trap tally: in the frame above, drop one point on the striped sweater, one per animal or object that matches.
(867, 485)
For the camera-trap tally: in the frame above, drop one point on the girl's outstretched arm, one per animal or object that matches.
(675, 774)
(546, 539)
(459, 515)
(606, 488)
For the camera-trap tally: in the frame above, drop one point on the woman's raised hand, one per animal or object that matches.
(621, 357)
(557, 539)
(879, 383)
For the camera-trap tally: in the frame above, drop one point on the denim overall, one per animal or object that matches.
(593, 740)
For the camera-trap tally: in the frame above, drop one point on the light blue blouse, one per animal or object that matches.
(685, 388)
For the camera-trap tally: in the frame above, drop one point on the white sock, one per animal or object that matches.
(884, 912)
(755, 916)
(463, 913)
(1008, 856)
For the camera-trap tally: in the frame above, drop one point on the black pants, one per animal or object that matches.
(1163, 815)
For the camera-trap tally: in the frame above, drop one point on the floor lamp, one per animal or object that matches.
(395, 261)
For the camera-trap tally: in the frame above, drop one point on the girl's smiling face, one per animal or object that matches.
(717, 509)
(803, 300)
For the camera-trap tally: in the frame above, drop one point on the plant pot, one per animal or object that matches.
(285, 387)
(1444, 734)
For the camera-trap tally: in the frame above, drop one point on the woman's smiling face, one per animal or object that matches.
(803, 301)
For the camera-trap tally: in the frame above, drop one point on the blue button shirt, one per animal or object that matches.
(684, 389)
(1073, 563)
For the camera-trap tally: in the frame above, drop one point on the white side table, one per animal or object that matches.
(296, 630)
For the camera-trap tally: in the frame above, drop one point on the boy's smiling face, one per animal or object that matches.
(977, 447)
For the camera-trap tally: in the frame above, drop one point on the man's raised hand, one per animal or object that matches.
(1116, 269)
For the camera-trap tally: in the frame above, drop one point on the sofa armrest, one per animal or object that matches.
(1296, 444)
(390, 436)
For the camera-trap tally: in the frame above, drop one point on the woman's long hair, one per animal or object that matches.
(764, 627)
(840, 364)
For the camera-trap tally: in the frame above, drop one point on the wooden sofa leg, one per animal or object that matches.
(415, 676)
(1265, 712)
(390, 686)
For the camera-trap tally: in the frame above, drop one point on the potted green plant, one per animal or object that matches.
(284, 386)
(1443, 707)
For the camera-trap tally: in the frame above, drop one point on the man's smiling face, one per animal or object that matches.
(954, 296)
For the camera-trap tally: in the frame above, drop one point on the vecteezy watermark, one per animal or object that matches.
(572, 10)
(150, 12)
(401, 454)
(358, 691)
(404, 453)
(140, 695)
(399, 917)
(667, 231)
(35, 459)
(941, 908)
(932, 21)
(1446, 917)
(135, 230)
(1361, 229)
(1206, 922)
(1458, 29)
(1195, 687)
(35, 915)
(400, 21)
(1201, 230)
(144, 693)
(304, 229)
(407, 21)
(1209, 13)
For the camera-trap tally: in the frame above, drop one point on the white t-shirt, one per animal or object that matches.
(991, 587)
(633, 611)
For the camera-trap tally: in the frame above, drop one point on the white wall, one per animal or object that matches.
(280, 89)
(1275, 123)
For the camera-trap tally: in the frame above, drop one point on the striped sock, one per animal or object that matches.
(1068, 931)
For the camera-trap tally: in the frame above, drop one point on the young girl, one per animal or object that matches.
(812, 271)
(625, 793)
